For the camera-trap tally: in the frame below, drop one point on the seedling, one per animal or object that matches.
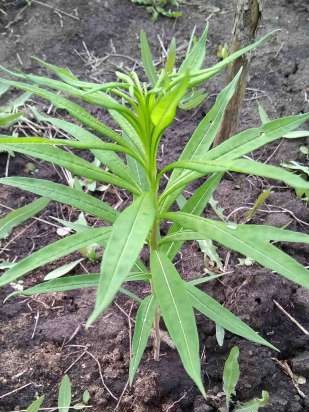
(160, 7)
(231, 374)
(64, 399)
(144, 111)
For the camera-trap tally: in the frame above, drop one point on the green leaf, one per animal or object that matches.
(245, 166)
(220, 332)
(147, 59)
(171, 56)
(14, 104)
(86, 396)
(68, 283)
(231, 374)
(75, 110)
(62, 270)
(56, 250)
(164, 111)
(35, 406)
(195, 205)
(250, 243)
(255, 404)
(65, 394)
(292, 135)
(138, 172)
(222, 316)
(143, 325)
(98, 99)
(203, 135)
(210, 252)
(125, 243)
(63, 194)
(195, 58)
(18, 216)
(3, 89)
(69, 161)
(252, 139)
(7, 120)
(177, 312)
(192, 100)
(263, 115)
(108, 158)
(205, 74)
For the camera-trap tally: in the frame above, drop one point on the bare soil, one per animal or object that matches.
(42, 338)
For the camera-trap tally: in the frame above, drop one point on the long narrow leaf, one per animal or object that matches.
(231, 374)
(241, 241)
(35, 406)
(63, 194)
(125, 243)
(65, 394)
(143, 324)
(18, 216)
(251, 139)
(108, 158)
(177, 313)
(68, 283)
(53, 252)
(69, 161)
(195, 58)
(72, 108)
(249, 167)
(208, 128)
(7, 120)
(147, 59)
(195, 205)
(202, 75)
(222, 316)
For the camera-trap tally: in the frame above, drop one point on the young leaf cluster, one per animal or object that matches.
(143, 111)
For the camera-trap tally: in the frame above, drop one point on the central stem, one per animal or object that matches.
(153, 245)
(155, 233)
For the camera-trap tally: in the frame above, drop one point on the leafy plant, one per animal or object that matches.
(144, 112)
(231, 374)
(64, 399)
(160, 7)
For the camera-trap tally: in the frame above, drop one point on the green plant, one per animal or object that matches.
(64, 403)
(231, 374)
(144, 112)
(160, 7)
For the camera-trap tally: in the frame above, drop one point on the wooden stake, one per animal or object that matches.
(247, 17)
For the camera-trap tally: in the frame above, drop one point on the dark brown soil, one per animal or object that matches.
(38, 353)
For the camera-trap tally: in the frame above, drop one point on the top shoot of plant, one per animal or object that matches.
(143, 111)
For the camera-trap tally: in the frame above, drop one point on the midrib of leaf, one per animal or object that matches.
(177, 310)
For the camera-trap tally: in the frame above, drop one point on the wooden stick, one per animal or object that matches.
(304, 330)
(247, 17)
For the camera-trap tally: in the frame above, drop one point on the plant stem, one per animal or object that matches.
(157, 336)
(155, 233)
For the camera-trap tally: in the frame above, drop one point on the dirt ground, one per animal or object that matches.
(42, 338)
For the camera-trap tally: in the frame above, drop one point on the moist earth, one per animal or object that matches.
(44, 337)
